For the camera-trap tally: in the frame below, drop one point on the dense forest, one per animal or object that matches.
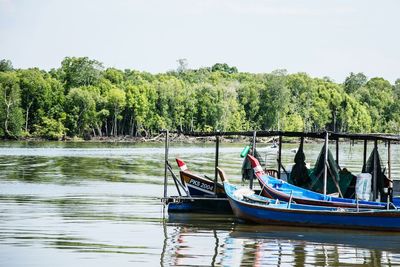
(83, 99)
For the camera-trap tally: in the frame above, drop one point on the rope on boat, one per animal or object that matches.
(290, 199)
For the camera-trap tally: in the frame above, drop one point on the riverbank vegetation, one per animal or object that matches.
(81, 98)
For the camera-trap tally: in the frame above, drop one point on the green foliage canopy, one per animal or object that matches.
(80, 98)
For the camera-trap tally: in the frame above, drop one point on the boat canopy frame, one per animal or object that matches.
(324, 135)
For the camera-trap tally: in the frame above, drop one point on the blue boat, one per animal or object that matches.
(254, 208)
(279, 189)
(197, 185)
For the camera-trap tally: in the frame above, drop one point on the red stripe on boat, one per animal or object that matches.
(258, 170)
(181, 165)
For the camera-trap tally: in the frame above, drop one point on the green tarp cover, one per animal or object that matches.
(344, 180)
(315, 176)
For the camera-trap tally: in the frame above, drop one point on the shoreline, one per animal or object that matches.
(173, 138)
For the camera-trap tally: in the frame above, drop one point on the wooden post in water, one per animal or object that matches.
(365, 156)
(216, 163)
(166, 162)
(326, 162)
(375, 174)
(253, 152)
(280, 156)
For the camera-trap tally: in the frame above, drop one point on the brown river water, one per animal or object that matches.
(88, 204)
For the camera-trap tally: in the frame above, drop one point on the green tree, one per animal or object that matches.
(293, 123)
(80, 98)
(217, 108)
(35, 92)
(116, 101)
(223, 67)
(5, 65)
(80, 71)
(249, 99)
(171, 101)
(54, 104)
(207, 97)
(396, 89)
(41, 97)
(81, 109)
(332, 95)
(113, 75)
(354, 81)
(303, 93)
(11, 119)
(274, 100)
(232, 116)
(137, 102)
(353, 116)
(393, 124)
(51, 128)
(377, 95)
(190, 108)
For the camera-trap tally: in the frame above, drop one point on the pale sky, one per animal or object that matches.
(321, 37)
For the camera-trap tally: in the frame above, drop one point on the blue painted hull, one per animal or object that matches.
(279, 189)
(312, 216)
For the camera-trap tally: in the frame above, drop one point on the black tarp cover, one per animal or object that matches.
(382, 180)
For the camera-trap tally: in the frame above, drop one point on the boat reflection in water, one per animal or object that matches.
(193, 239)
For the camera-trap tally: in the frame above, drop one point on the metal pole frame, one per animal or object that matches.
(166, 163)
(326, 162)
(365, 156)
(390, 188)
(253, 154)
(280, 157)
(216, 163)
(375, 173)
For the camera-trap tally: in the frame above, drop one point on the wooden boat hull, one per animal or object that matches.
(312, 216)
(199, 186)
(278, 189)
(270, 191)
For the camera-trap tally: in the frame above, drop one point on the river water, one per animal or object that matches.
(88, 204)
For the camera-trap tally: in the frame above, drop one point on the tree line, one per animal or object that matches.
(82, 98)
